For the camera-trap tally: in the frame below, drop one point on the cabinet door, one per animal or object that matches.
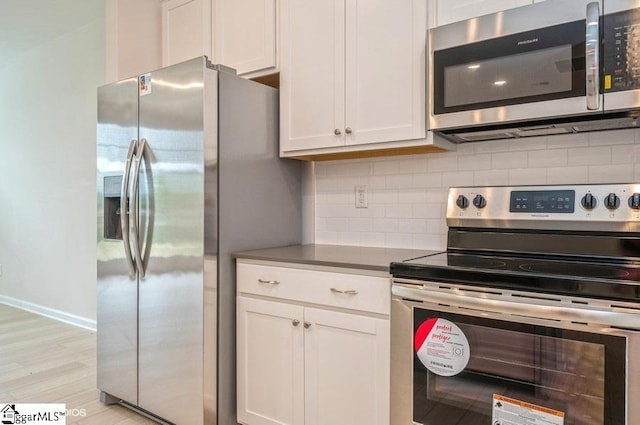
(451, 11)
(270, 363)
(311, 74)
(186, 30)
(245, 35)
(346, 369)
(385, 68)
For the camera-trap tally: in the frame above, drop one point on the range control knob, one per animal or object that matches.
(479, 201)
(588, 202)
(462, 202)
(634, 201)
(612, 201)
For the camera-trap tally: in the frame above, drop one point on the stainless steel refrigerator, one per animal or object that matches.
(187, 173)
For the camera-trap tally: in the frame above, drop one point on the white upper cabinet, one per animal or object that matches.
(442, 12)
(186, 30)
(245, 35)
(241, 34)
(352, 73)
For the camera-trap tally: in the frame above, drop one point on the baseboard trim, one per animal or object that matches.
(61, 316)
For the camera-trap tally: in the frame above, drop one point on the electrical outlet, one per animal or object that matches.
(361, 197)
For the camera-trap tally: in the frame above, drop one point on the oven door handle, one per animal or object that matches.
(531, 308)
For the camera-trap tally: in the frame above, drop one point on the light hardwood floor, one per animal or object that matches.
(46, 361)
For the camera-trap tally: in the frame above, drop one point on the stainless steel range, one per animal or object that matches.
(531, 316)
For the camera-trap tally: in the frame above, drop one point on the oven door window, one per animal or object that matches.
(577, 375)
(533, 66)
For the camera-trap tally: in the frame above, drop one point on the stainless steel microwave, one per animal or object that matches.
(554, 67)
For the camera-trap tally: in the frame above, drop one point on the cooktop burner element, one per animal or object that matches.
(574, 240)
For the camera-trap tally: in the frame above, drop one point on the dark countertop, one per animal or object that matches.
(355, 257)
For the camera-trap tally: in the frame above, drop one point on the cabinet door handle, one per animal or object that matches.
(295, 322)
(348, 130)
(337, 132)
(269, 282)
(348, 292)
(307, 325)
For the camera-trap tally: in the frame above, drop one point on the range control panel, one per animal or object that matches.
(581, 207)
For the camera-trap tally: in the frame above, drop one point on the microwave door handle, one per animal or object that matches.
(124, 207)
(592, 56)
(135, 205)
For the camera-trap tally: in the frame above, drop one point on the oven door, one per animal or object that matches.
(532, 62)
(466, 356)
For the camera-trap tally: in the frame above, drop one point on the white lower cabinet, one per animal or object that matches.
(301, 363)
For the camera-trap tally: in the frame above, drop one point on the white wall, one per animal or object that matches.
(47, 172)
(407, 195)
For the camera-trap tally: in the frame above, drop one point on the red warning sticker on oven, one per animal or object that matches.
(509, 411)
(442, 347)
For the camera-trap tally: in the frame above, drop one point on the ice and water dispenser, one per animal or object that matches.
(112, 211)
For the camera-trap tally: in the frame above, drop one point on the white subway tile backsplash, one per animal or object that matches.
(568, 141)
(528, 144)
(398, 240)
(620, 173)
(567, 175)
(427, 180)
(379, 197)
(412, 196)
(337, 224)
(373, 239)
(589, 156)
(425, 241)
(399, 181)
(385, 225)
(360, 224)
(493, 146)
(508, 160)
(530, 176)
(490, 177)
(412, 226)
(625, 154)
(436, 227)
(398, 211)
(373, 211)
(442, 163)
(458, 178)
(474, 162)
(414, 164)
(386, 167)
(547, 158)
(427, 211)
(407, 196)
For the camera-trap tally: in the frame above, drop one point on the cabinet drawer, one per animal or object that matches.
(348, 291)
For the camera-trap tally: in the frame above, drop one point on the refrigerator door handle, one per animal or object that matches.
(136, 234)
(124, 207)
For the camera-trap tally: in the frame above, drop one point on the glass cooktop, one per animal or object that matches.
(580, 276)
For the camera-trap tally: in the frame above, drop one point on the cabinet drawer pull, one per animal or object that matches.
(295, 322)
(269, 282)
(348, 292)
(307, 325)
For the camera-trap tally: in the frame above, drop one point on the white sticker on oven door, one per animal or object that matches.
(509, 411)
(442, 347)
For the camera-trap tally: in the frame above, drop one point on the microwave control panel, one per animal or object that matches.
(621, 51)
